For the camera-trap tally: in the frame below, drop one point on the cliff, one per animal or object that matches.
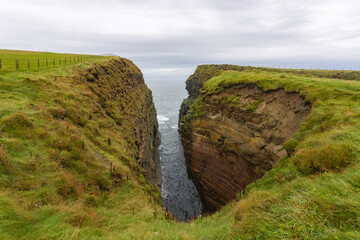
(74, 140)
(72, 159)
(234, 135)
(122, 93)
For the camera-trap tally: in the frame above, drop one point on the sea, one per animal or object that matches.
(179, 194)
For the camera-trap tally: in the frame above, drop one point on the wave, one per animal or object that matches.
(162, 119)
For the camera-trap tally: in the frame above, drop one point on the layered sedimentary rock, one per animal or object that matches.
(122, 92)
(237, 138)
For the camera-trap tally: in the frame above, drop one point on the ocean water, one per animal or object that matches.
(178, 193)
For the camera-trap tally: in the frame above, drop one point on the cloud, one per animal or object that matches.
(172, 37)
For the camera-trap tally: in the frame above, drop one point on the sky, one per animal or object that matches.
(167, 39)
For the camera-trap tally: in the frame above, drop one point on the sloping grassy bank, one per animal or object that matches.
(313, 194)
(60, 130)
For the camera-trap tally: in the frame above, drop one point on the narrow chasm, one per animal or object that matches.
(179, 194)
(236, 136)
(225, 141)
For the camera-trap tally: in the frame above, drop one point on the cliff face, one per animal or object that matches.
(233, 137)
(148, 136)
(127, 100)
(195, 82)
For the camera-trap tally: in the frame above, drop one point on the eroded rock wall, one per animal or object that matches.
(238, 139)
(123, 94)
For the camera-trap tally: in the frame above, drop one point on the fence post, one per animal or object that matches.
(47, 62)
(28, 63)
(54, 61)
(0, 64)
(17, 64)
(70, 59)
(78, 58)
(65, 60)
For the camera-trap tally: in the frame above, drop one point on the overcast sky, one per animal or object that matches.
(168, 39)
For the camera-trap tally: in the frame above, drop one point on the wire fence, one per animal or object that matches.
(42, 62)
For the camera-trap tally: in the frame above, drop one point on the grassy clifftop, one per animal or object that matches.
(69, 149)
(312, 194)
(62, 128)
(27, 60)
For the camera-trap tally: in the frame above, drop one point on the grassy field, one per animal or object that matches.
(50, 173)
(35, 60)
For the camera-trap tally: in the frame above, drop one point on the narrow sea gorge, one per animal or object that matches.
(179, 195)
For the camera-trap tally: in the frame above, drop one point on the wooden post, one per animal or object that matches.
(38, 62)
(54, 61)
(17, 64)
(0, 64)
(47, 62)
(78, 58)
(28, 63)
(70, 59)
(65, 60)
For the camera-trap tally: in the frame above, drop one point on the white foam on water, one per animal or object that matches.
(162, 119)
(164, 193)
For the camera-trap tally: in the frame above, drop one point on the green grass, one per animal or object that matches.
(55, 123)
(55, 181)
(197, 108)
(44, 59)
(314, 193)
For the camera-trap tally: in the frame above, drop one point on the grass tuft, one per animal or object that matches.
(325, 158)
(290, 145)
(57, 112)
(17, 125)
